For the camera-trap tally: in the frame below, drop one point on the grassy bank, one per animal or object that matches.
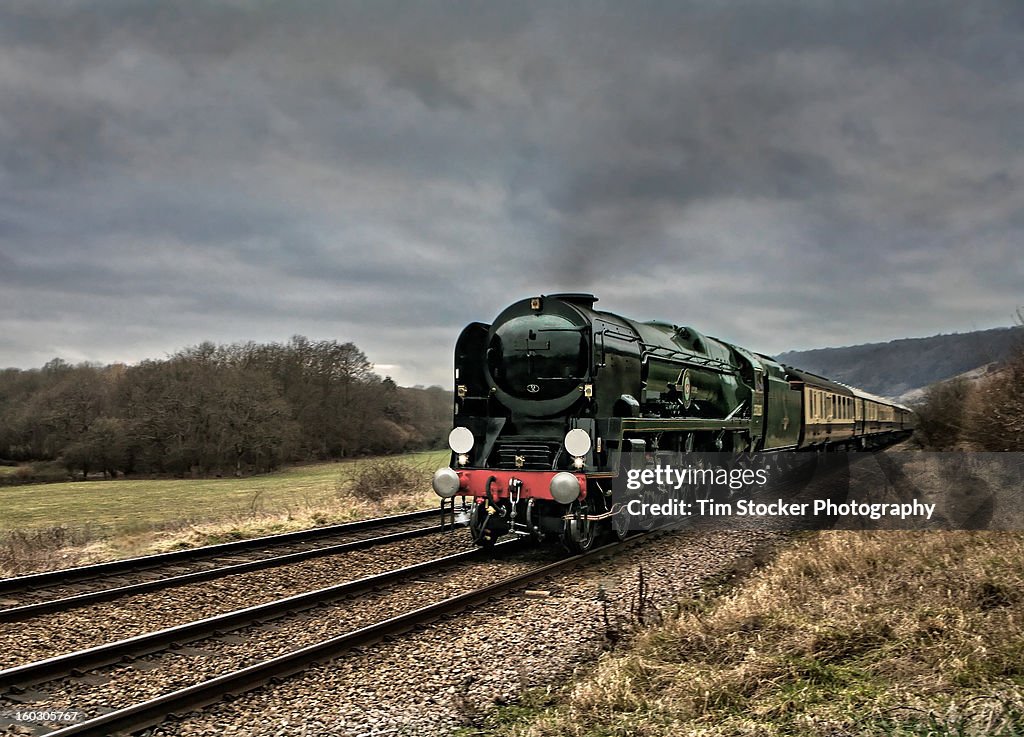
(69, 523)
(845, 633)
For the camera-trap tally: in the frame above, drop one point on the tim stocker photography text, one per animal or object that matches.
(780, 508)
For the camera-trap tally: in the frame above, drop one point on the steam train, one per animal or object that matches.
(552, 394)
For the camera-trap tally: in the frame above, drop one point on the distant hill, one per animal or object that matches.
(900, 367)
(973, 376)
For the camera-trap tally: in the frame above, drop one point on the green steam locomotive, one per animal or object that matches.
(552, 394)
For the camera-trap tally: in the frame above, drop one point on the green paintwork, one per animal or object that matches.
(785, 406)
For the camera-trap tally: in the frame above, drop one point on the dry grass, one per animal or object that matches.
(22, 551)
(891, 633)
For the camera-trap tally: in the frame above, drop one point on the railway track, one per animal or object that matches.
(23, 597)
(288, 635)
(183, 668)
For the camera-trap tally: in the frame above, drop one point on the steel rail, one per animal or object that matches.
(16, 678)
(26, 611)
(68, 575)
(154, 711)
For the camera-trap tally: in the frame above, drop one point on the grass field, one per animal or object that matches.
(91, 520)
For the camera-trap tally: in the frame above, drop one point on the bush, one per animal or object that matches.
(940, 414)
(994, 416)
(984, 416)
(376, 480)
(34, 473)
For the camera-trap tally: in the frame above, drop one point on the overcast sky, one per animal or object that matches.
(779, 174)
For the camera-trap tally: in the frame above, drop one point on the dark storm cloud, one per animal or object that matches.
(786, 174)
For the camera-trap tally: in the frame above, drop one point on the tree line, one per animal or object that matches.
(215, 409)
(982, 415)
